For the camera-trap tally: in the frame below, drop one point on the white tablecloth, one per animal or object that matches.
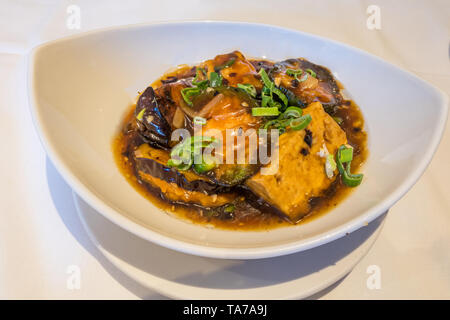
(40, 234)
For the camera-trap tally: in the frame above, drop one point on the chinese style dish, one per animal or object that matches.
(243, 144)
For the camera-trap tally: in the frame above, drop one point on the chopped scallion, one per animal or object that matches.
(189, 93)
(271, 87)
(207, 164)
(199, 120)
(294, 73)
(292, 112)
(346, 155)
(265, 112)
(250, 89)
(215, 79)
(300, 123)
(312, 73)
(349, 179)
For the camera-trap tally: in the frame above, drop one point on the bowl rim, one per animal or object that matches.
(227, 252)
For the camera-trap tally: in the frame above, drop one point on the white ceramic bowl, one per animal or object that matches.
(80, 87)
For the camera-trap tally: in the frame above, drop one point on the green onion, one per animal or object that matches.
(300, 123)
(312, 73)
(215, 79)
(174, 162)
(346, 155)
(266, 80)
(182, 155)
(291, 117)
(281, 96)
(271, 86)
(197, 73)
(292, 112)
(270, 123)
(305, 76)
(250, 89)
(189, 93)
(266, 97)
(140, 114)
(203, 84)
(199, 120)
(294, 73)
(181, 158)
(225, 65)
(229, 208)
(339, 120)
(265, 112)
(349, 179)
(207, 164)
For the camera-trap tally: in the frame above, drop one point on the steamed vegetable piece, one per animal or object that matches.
(301, 173)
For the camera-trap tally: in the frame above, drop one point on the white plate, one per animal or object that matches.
(81, 86)
(181, 276)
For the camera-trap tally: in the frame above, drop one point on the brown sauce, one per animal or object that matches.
(246, 217)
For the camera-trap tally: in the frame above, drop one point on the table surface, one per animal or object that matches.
(41, 237)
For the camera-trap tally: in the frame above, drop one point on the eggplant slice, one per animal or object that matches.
(153, 161)
(152, 125)
(155, 112)
(177, 186)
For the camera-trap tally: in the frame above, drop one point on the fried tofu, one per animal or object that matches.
(301, 173)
